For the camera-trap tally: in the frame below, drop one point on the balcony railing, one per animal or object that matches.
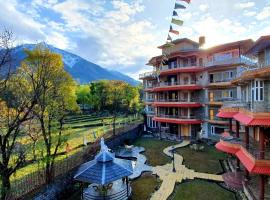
(176, 116)
(222, 80)
(252, 148)
(236, 103)
(147, 74)
(167, 67)
(239, 60)
(222, 99)
(178, 100)
(191, 82)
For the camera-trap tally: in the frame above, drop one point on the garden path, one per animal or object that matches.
(169, 178)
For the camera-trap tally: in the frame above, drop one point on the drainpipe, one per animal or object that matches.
(247, 147)
(237, 136)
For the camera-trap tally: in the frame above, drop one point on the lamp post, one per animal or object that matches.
(173, 151)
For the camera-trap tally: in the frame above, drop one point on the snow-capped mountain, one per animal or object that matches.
(81, 70)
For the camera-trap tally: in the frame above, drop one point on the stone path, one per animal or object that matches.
(169, 178)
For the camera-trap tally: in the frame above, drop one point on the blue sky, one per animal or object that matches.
(123, 34)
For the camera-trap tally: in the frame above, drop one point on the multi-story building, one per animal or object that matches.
(223, 64)
(176, 89)
(251, 112)
(188, 85)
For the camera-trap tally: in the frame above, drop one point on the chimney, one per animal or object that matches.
(201, 41)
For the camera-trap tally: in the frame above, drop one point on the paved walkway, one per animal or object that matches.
(169, 178)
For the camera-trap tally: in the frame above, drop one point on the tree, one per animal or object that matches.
(83, 95)
(16, 105)
(44, 70)
(98, 94)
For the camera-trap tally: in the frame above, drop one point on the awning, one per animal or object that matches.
(251, 121)
(260, 166)
(223, 114)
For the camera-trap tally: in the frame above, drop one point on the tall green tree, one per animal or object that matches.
(16, 104)
(83, 96)
(44, 70)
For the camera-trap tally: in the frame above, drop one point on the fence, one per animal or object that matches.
(35, 180)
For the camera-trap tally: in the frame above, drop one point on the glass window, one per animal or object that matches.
(257, 90)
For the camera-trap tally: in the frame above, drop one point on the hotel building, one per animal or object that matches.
(251, 113)
(188, 85)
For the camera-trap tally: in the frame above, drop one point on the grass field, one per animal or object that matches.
(154, 150)
(202, 190)
(77, 129)
(202, 161)
(143, 187)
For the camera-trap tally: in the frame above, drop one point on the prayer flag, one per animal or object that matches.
(169, 38)
(179, 6)
(187, 1)
(177, 22)
(175, 13)
(173, 31)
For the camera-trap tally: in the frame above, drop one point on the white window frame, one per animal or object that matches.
(257, 88)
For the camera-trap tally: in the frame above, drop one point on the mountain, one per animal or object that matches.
(81, 70)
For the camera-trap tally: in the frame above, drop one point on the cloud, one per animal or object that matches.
(265, 13)
(249, 13)
(248, 4)
(203, 7)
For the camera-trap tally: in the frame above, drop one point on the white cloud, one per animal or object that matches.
(248, 4)
(249, 13)
(265, 13)
(203, 7)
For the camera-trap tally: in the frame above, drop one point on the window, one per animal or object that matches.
(257, 90)
(227, 94)
(211, 114)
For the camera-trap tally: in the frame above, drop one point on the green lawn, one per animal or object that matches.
(73, 136)
(143, 187)
(201, 190)
(154, 150)
(202, 161)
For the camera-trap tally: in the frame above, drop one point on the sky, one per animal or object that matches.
(124, 34)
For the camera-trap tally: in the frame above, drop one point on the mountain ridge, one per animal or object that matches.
(82, 70)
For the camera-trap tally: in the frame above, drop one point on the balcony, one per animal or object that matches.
(255, 161)
(148, 100)
(231, 61)
(181, 102)
(182, 85)
(190, 68)
(150, 75)
(177, 119)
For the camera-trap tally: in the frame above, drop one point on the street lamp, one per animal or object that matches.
(173, 151)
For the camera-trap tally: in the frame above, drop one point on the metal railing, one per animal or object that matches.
(178, 100)
(176, 116)
(239, 60)
(147, 74)
(168, 67)
(190, 82)
(252, 148)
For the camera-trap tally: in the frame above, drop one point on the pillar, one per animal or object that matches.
(230, 125)
(262, 149)
(237, 129)
(246, 137)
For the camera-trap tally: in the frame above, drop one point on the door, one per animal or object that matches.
(185, 130)
(211, 96)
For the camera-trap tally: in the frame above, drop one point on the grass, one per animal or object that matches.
(202, 161)
(143, 187)
(74, 137)
(154, 150)
(203, 190)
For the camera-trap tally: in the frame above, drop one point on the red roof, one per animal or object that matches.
(246, 158)
(223, 114)
(251, 121)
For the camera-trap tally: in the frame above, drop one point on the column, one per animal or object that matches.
(247, 146)
(237, 135)
(262, 149)
(230, 125)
